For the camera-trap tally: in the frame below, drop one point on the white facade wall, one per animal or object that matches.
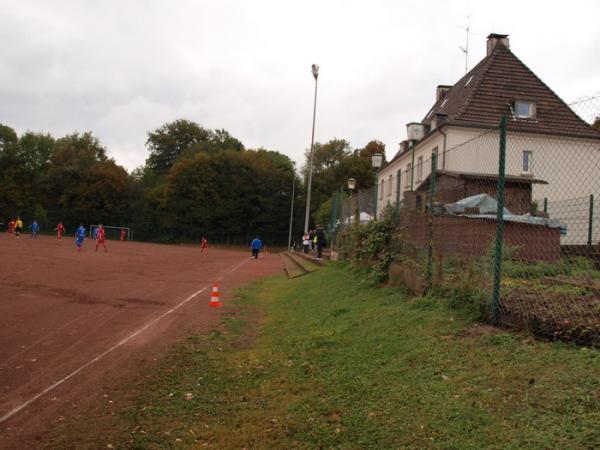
(423, 150)
(570, 166)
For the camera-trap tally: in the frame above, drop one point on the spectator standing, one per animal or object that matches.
(256, 246)
(321, 241)
(306, 242)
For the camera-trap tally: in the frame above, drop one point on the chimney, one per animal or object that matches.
(494, 39)
(441, 90)
(403, 147)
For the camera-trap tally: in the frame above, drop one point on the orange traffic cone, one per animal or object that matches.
(214, 296)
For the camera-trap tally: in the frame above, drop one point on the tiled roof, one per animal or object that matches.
(510, 179)
(485, 94)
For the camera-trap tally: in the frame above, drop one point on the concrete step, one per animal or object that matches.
(291, 267)
(306, 264)
(310, 257)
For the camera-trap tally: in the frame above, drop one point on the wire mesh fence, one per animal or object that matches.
(503, 220)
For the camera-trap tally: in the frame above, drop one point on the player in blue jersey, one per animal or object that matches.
(79, 237)
(256, 246)
(35, 228)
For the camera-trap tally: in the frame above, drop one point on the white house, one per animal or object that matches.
(546, 139)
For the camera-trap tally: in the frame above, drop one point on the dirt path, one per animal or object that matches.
(72, 325)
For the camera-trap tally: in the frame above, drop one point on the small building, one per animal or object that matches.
(452, 186)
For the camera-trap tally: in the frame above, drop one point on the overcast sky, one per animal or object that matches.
(122, 68)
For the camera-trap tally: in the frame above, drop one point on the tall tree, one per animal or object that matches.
(335, 162)
(84, 185)
(8, 136)
(170, 141)
(23, 161)
(229, 194)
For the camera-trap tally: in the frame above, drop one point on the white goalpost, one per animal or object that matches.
(113, 233)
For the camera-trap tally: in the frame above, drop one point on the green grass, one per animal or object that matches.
(335, 363)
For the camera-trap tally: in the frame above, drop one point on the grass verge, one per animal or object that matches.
(335, 363)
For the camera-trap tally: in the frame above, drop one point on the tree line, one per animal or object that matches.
(195, 182)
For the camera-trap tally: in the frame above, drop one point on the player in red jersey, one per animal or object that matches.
(11, 226)
(203, 244)
(60, 230)
(101, 238)
(123, 235)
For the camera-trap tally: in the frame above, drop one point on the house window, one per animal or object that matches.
(390, 183)
(381, 188)
(407, 177)
(527, 160)
(524, 110)
(419, 168)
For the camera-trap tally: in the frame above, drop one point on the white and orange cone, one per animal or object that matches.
(214, 296)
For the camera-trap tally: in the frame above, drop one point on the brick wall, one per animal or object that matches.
(475, 237)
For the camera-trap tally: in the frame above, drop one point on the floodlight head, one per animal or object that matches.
(351, 183)
(315, 71)
(376, 160)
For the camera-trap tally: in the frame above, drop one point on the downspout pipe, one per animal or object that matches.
(444, 149)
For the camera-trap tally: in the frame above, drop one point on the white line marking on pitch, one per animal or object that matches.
(14, 411)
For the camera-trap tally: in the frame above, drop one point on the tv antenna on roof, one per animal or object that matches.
(465, 49)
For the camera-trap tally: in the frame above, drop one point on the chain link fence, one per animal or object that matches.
(505, 222)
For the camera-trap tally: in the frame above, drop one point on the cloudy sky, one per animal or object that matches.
(121, 68)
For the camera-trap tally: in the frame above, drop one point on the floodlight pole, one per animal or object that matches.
(315, 72)
(292, 212)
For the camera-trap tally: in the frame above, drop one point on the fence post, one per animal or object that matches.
(376, 197)
(333, 220)
(429, 272)
(499, 224)
(358, 207)
(591, 220)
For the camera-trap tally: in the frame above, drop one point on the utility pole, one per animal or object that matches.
(315, 72)
(292, 211)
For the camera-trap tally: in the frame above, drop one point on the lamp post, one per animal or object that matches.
(315, 72)
(292, 212)
(376, 161)
(352, 187)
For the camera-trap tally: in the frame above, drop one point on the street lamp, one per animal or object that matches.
(376, 161)
(315, 72)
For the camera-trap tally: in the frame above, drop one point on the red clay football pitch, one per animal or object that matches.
(74, 324)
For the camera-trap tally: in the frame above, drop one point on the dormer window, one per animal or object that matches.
(524, 109)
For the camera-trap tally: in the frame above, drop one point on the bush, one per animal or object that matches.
(373, 246)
